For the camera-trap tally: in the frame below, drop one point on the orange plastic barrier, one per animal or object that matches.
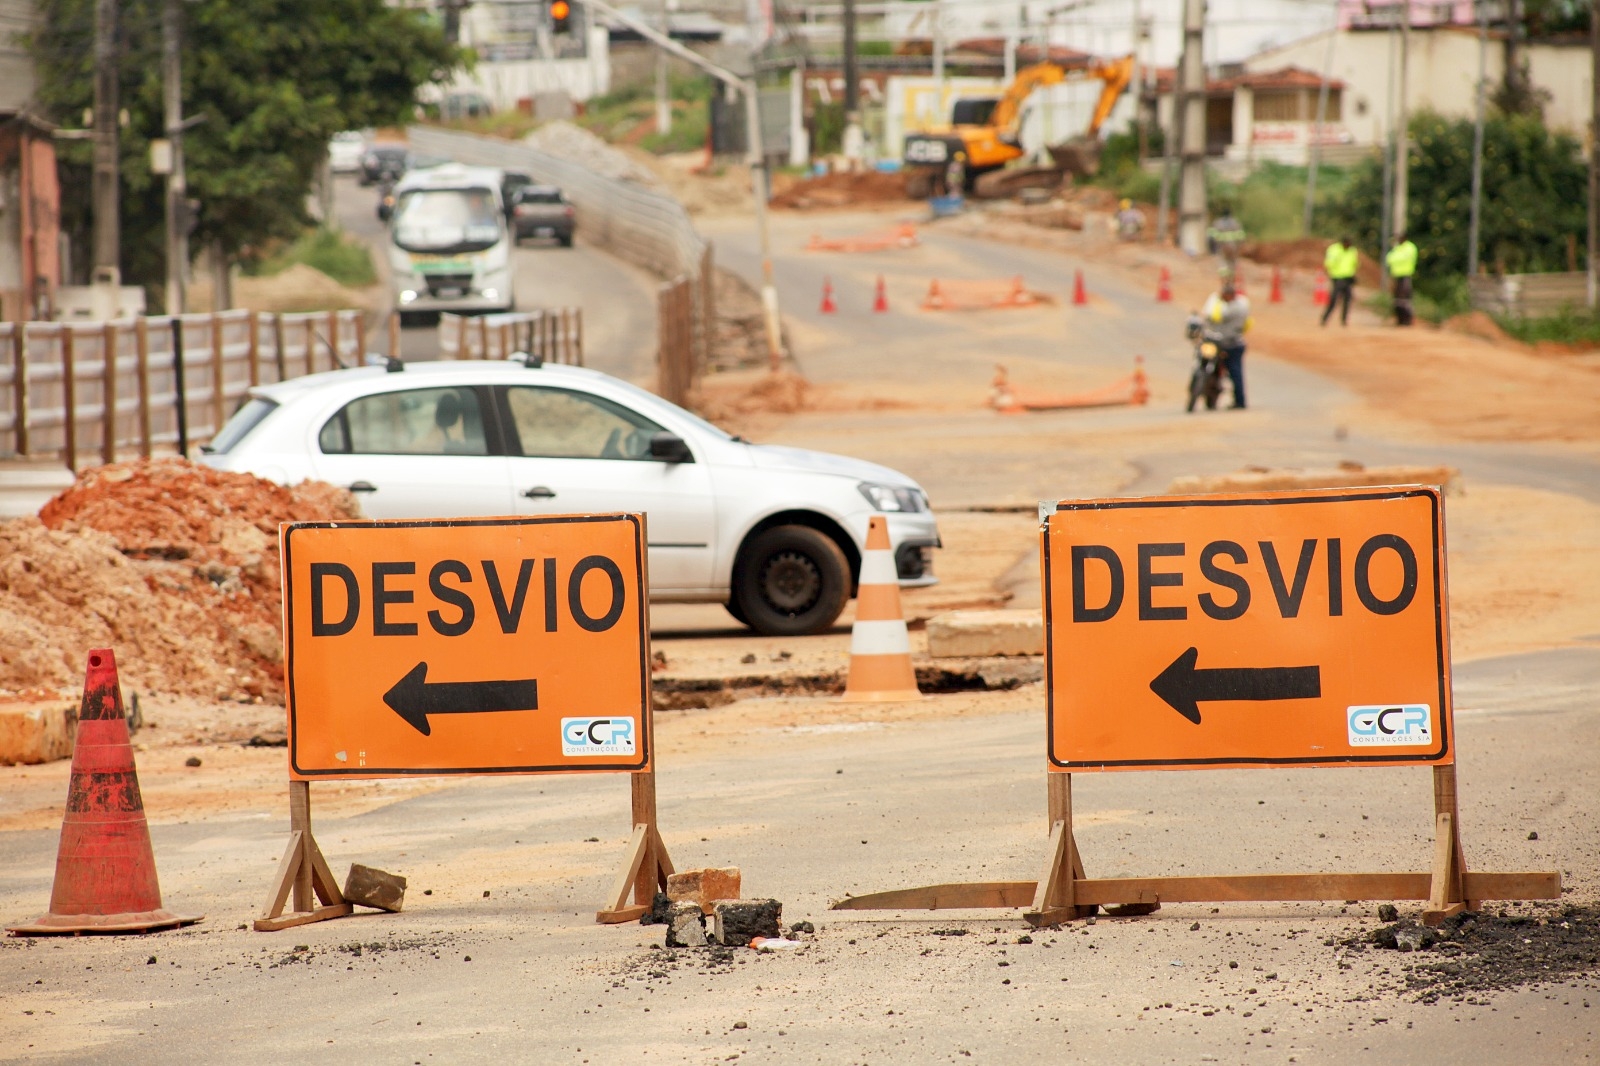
(902, 236)
(979, 295)
(1132, 390)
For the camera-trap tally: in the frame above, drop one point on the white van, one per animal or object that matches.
(448, 245)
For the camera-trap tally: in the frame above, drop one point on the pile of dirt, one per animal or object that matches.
(1305, 253)
(843, 190)
(173, 565)
(740, 341)
(1478, 324)
(734, 397)
(576, 144)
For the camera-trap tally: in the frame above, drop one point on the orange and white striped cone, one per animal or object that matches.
(880, 647)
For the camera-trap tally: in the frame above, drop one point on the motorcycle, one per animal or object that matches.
(1205, 381)
(386, 198)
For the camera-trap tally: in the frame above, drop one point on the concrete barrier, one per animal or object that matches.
(980, 634)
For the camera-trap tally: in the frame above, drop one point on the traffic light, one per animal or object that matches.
(560, 16)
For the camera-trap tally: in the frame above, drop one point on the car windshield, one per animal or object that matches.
(446, 220)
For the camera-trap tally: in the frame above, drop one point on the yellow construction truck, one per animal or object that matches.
(983, 131)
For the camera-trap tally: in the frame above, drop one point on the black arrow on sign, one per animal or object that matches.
(1184, 688)
(413, 699)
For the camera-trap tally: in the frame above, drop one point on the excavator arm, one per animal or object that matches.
(1115, 76)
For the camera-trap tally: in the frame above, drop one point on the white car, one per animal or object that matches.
(344, 151)
(774, 533)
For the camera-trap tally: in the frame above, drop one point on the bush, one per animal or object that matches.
(344, 259)
(1568, 326)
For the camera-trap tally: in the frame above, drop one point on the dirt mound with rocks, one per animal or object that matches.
(843, 190)
(1305, 253)
(173, 565)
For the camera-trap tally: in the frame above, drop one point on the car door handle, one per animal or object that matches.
(362, 486)
(540, 492)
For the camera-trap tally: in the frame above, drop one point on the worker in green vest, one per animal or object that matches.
(1402, 264)
(1340, 263)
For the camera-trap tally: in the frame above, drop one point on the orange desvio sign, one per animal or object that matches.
(1274, 629)
(499, 645)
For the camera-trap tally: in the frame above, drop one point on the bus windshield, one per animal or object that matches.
(448, 221)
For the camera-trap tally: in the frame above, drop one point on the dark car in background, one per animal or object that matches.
(543, 211)
(381, 161)
(511, 183)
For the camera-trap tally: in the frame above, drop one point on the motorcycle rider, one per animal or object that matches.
(1225, 318)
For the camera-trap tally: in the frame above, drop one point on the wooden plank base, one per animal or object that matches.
(294, 918)
(1142, 895)
(620, 915)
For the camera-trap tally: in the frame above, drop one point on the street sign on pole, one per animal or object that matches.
(1279, 629)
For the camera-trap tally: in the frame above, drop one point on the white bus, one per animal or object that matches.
(448, 245)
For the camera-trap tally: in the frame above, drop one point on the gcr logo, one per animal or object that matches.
(597, 736)
(1406, 724)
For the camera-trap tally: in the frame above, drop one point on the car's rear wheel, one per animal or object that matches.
(790, 581)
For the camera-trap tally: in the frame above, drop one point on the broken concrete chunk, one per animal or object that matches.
(374, 888)
(686, 926)
(736, 921)
(704, 887)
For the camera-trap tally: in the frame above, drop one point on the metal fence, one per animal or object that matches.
(96, 391)
(554, 336)
(645, 226)
(1523, 295)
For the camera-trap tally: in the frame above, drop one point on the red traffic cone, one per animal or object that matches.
(1079, 296)
(1277, 287)
(1164, 287)
(828, 306)
(105, 870)
(1319, 295)
(880, 299)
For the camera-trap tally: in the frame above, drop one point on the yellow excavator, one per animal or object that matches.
(984, 131)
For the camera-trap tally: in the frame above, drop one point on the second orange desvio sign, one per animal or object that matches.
(466, 646)
(1276, 629)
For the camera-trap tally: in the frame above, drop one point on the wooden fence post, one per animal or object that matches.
(255, 349)
(141, 336)
(108, 344)
(19, 360)
(219, 405)
(361, 336)
(69, 399)
(333, 340)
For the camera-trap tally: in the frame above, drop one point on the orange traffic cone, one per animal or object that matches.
(1277, 287)
(105, 870)
(1079, 296)
(1141, 385)
(828, 306)
(1164, 287)
(880, 647)
(1319, 295)
(934, 301)
(880, 301)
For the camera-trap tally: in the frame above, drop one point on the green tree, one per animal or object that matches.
(274, 79)
(1535, 189)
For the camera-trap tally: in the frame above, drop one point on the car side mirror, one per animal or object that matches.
(670, 448)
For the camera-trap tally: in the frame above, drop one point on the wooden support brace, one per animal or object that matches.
(303, 872)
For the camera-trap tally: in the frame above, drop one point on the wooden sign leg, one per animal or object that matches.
(303, 873)
(1055, 898)
(646, 868)
(1446, 894)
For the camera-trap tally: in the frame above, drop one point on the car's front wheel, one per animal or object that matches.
(791, 581)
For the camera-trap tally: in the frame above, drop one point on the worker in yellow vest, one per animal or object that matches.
(1340, 263)
(1402, 264)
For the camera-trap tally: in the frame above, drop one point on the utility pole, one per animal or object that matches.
(1515, 83)
(1402, 158)
(852, 90)
(177, 185)
(663, 100)
(107, 184)
(1316, 131)
(1192, 174)
(1477, 154)
(1594, 158)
